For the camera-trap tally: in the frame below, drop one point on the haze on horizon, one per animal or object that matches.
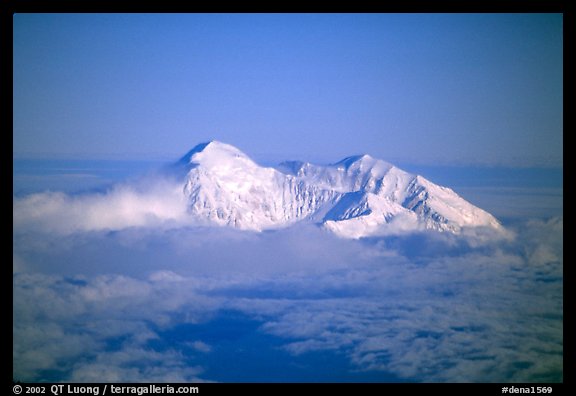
(104, 291)
(417, 88)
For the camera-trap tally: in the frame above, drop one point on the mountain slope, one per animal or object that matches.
(225, 187)
(356, 197)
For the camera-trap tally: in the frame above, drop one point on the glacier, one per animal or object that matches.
(359, 196)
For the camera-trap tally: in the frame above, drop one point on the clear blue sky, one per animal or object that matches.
(421, 88)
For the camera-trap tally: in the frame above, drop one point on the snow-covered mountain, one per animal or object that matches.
(356, 197)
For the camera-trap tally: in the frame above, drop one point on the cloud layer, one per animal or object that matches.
(117, 287)
(155, 202)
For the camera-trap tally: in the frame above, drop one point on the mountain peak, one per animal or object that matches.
(213, 153)
(363, 160)
(349, 161)
(364, 164)
(356, 197)
(196, 149)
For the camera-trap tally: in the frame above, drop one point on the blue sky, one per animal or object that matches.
(103, 292)
(421, 88)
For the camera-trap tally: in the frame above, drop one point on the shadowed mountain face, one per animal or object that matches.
(357, 197)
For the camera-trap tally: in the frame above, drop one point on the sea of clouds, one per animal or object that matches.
(119, 285)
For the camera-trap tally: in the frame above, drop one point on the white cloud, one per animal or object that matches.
(97, 306)
(200, 346)
(66, 324)
(136, 364)
(158, 203)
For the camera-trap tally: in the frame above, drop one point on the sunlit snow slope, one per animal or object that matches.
(356, 197)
